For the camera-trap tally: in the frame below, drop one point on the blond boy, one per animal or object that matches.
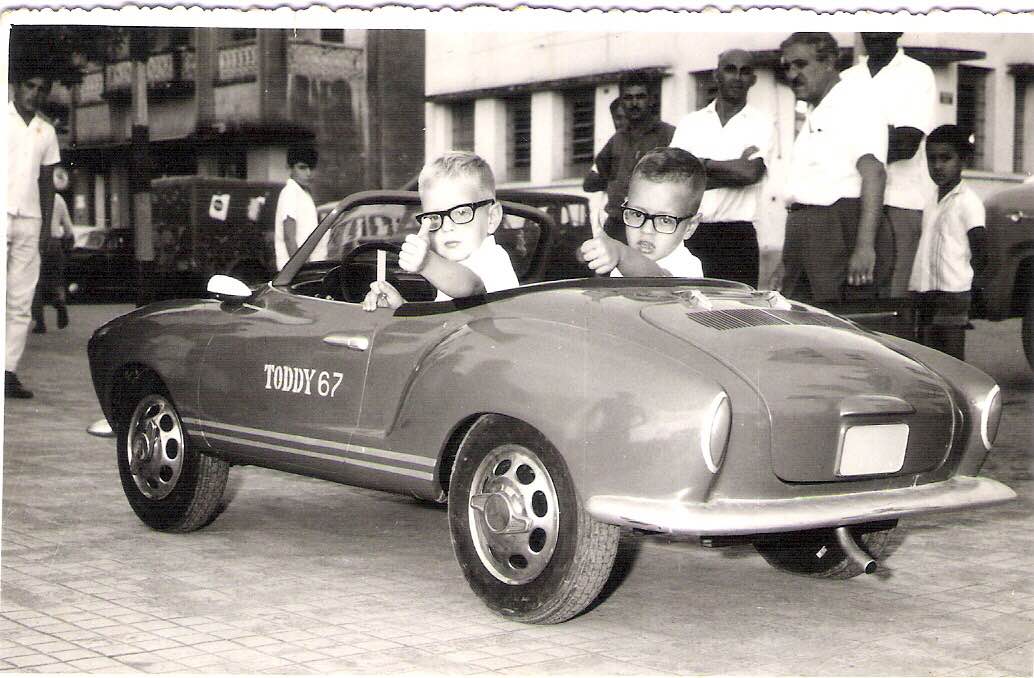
(455, 249)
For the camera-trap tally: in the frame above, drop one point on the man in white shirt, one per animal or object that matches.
(32, 153)
(295, 210)
(836, 232)
(734, 140)
(906, 91)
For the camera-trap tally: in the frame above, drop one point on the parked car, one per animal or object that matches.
(100, 267)
(1007, 288)
(549, 417)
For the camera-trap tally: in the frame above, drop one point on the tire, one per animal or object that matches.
(1027, 330)
(525, 544)
(818, 554)
(172, 488)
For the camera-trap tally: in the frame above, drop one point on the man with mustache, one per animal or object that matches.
(734, 140)
(836, 231)
(907, 92)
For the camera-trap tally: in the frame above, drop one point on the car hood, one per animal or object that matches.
(818, 376)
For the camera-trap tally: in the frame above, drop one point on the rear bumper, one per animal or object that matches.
(745, 517)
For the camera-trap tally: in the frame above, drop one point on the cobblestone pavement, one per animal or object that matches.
(305, 576)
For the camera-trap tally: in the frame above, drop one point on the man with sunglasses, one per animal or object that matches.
(734, 141)
(659, 213)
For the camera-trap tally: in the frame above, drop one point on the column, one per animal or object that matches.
(547, 137)
(490, 135)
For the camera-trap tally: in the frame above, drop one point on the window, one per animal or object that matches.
(335, 35)
(242, 34)
(579, 131)
(971, 111)
(463, 126)
(1019, 124)
(706, 88)
(518, 138)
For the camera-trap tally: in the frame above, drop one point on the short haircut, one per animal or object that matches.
(458, 165)
(955, 136)
(670, 164)
(639, 78)
(826, 47)
(302, 153)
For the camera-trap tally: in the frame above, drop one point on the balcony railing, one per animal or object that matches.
(238, 63)
(168, 71)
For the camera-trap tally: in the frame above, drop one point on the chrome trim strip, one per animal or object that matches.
(372, 451)
(422, 475)
(744, 516)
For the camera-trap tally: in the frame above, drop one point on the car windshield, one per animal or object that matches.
(392, 222)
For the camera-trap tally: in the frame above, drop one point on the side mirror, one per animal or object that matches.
(226, 288)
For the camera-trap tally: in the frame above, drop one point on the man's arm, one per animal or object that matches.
(46, 198)
(902, 143)
(743, 171)
(290, 235)
(605, 161)
(863, 260)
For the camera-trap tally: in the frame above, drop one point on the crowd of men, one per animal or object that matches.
(856, 181)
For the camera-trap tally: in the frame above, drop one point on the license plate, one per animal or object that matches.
(869, 450)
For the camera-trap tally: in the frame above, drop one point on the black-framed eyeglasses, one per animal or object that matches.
(459, 215)
(662, 223)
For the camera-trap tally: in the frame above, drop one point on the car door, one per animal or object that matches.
(284, 387)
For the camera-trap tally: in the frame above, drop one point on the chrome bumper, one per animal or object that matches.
(742, 516)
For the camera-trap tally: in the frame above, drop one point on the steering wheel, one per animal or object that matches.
(340, 282)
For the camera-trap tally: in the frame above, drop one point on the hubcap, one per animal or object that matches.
(513, 513)
(155, 448)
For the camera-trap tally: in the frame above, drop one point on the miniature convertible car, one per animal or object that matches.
(548, 417)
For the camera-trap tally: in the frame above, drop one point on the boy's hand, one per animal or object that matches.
(414, 250)
(382, 295)
(602, 254)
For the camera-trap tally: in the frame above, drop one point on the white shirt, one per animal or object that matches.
(845, 126)
(295, 202)
(680, 262)
(28, 147)
(491, 263)
(702, 134)
(907, 93)
(942, 258)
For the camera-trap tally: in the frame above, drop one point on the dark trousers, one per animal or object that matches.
(941, 319)
(615, 228)
(819, 242)
(727, 250)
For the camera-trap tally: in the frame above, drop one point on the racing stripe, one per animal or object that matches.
(210, 429)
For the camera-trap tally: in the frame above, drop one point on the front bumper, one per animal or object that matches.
(744, 516)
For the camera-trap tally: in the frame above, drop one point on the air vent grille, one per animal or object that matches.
(736, 319)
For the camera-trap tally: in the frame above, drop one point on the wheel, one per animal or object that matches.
(1027, 330)
(817, 554)
(169, 486)
(526, 546)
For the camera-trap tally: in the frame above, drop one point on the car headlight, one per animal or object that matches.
(714, 435)
(990, 416)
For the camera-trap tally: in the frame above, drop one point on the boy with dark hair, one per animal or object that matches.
(295, 209)
(659, 213)
(951, 245)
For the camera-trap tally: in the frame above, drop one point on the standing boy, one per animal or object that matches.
(295, 209)
(951, 245)
(32, 152)
(659, 213)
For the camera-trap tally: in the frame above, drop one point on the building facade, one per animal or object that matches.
(537, 105)
(227, 102)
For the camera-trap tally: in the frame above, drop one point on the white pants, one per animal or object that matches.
(23, 263)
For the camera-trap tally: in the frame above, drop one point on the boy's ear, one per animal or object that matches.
(495, 216)
(693, 223)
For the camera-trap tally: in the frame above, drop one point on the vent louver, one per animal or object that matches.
(737, 319)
